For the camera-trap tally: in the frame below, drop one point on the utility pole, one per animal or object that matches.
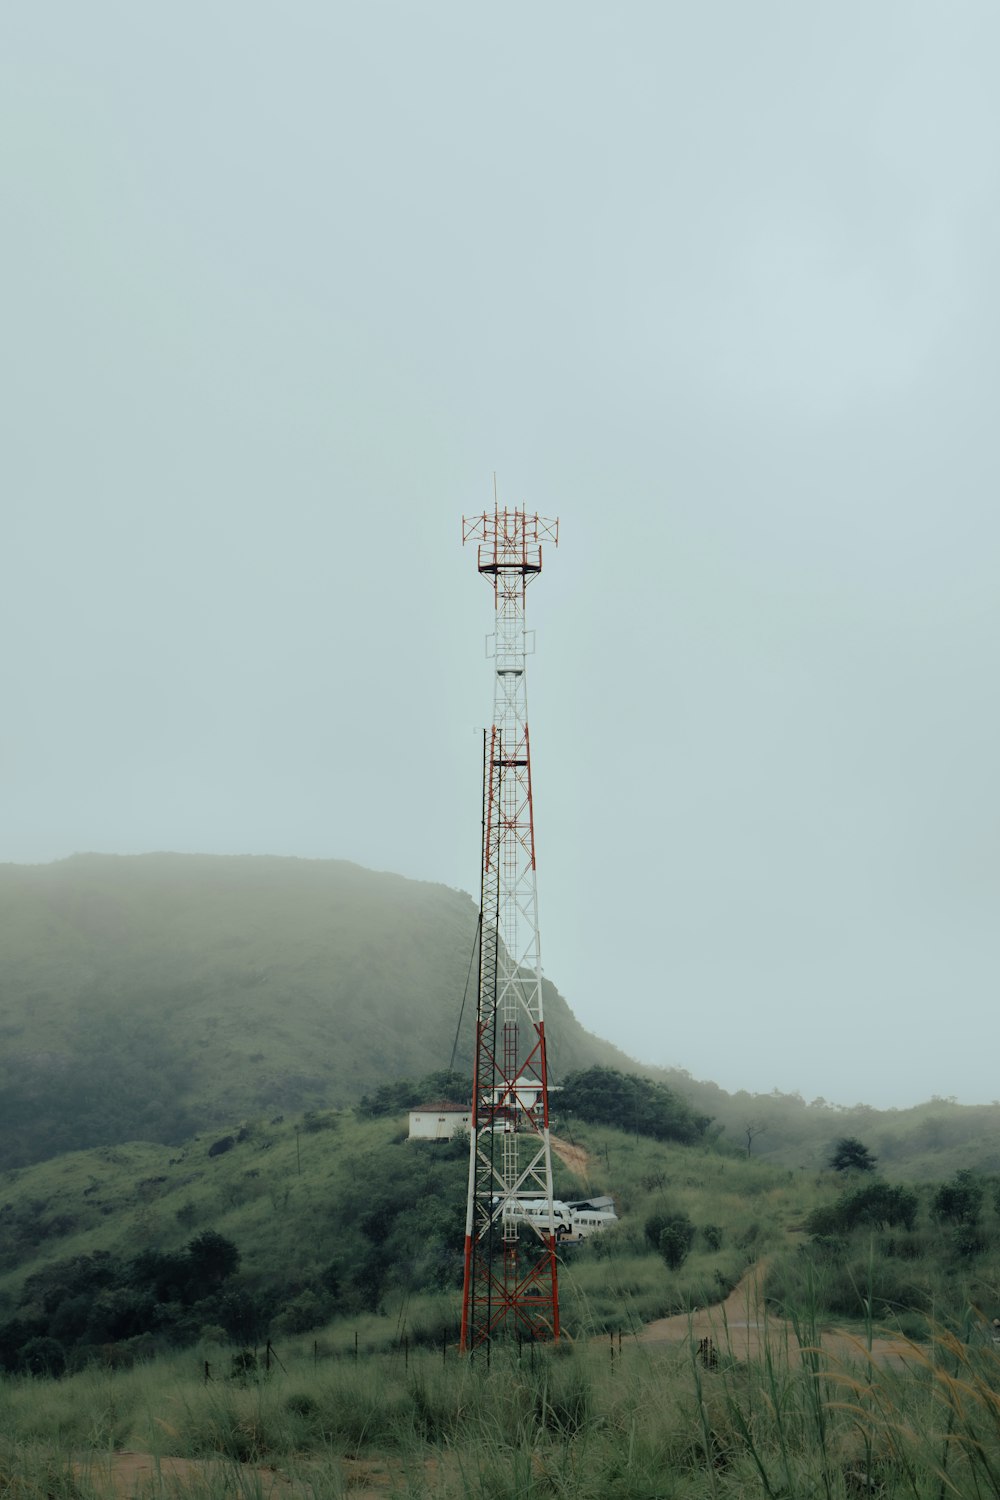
(510, 1283)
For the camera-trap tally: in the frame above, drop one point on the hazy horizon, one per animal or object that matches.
(731, 1088)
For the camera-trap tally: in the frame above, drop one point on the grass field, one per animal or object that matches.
(378, 1401)
(596, 1420)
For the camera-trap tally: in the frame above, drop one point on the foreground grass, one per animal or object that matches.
(598, 1420)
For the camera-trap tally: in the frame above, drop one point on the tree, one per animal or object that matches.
(751, 1129)
(403, 1093)
(851, 1155)
(212, 1259)
(606, 1097)
(960, 1200)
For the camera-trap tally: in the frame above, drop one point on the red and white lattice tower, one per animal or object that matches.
(510, 1265)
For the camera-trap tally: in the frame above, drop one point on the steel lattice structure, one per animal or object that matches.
(510, 1266)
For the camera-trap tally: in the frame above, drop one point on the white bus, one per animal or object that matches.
(573, 1221)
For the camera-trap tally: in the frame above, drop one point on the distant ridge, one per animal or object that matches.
(150, 996)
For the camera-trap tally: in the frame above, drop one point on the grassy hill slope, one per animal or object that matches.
(336, 1216)
(148, 997)
(928, 1141)
(151, 997)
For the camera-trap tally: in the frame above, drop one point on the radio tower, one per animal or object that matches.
(510, 1265)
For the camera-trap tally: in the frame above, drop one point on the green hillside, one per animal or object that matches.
(327, 1219)
(331, 1216)
(149, 997)
(927, 1141)
(281, 1317)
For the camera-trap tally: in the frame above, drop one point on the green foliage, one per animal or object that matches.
(851, 1155)
(403, 1093)
(960, 1201)
(675, 1242)
(362, 1225)
(607, 1097)
(351, 1224)
(333, 1221)
(666, 1218)
(42, 1356)
(893, 1252)
(101, 1299)
(712, 1234)
(212, 1260)
(877, 1205)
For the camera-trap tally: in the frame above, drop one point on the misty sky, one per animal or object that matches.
(717, 284)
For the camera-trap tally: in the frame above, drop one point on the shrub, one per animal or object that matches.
(672, 1233)
(675, 1242)
(304, 1312)
(43, 1356)
(959, 1201)
(877, 1206)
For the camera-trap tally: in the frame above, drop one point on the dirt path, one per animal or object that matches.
(128, 1474)
(743, 1328)
(142, 1476)
(573, 1157)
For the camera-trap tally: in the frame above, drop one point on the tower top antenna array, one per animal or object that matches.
(510, 544)
(510, 1283)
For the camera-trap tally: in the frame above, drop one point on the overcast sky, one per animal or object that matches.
(716, 284)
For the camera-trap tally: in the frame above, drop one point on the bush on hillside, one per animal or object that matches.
(93, 1300)
(671, 1232)
(604, 1096)
(959, 1201)
(675, 1242)
(875, 1206)
(43, 1356)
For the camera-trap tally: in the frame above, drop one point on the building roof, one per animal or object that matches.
(441, 1107)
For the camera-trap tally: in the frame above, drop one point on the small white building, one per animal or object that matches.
(439, 1120)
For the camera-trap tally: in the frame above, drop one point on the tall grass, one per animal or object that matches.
(598, 1420)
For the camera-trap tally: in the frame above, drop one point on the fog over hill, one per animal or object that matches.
(146, 997)
(150, 997)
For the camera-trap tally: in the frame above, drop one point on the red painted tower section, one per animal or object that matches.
(510, 1284)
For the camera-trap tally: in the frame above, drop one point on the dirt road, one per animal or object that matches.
(742, 1327)
(130, 1475)
(573, 1157)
